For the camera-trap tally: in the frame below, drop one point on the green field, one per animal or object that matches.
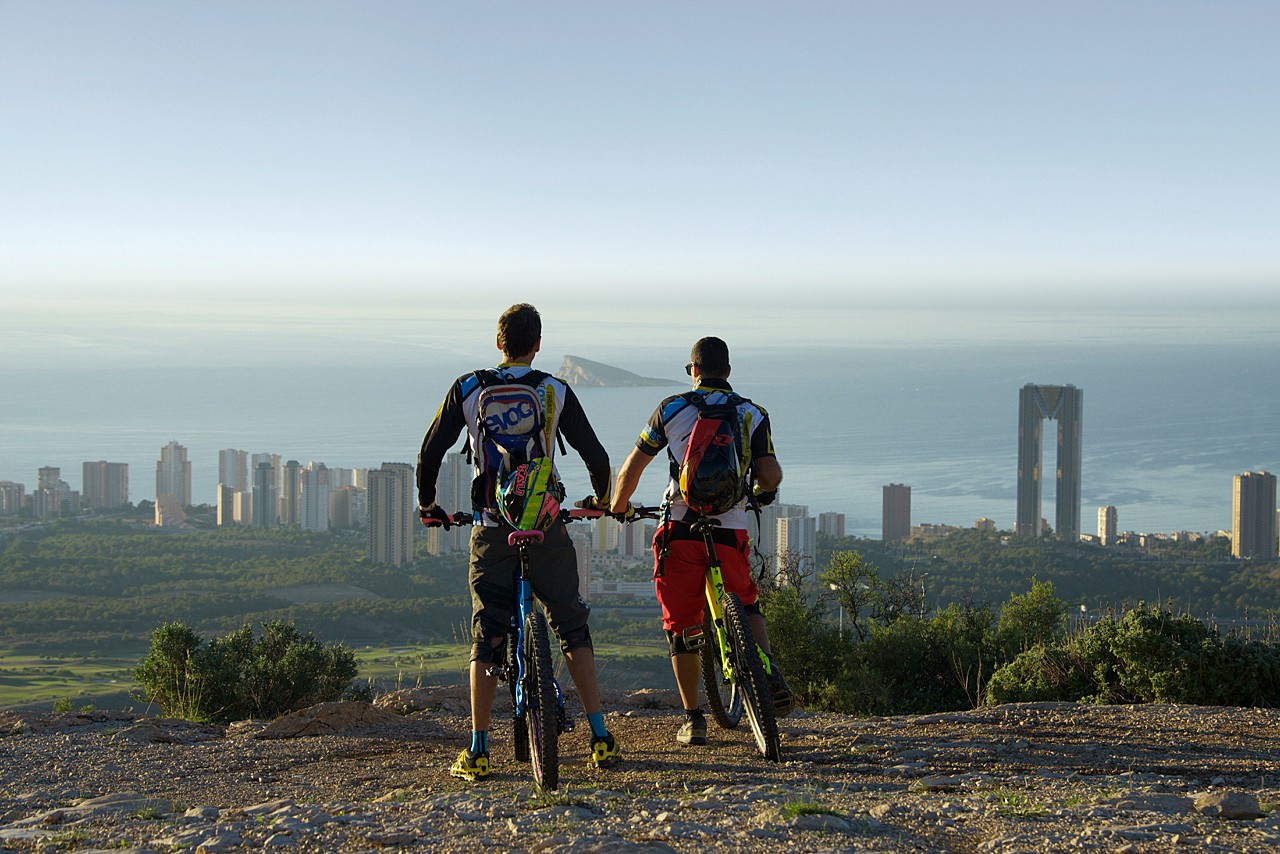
(103, 678)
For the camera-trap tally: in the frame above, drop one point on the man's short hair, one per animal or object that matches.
(519, 329)
(711, 355)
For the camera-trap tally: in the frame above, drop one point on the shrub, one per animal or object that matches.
(1035, 617)
(238, 676)
(1146, 656)
(914, 665)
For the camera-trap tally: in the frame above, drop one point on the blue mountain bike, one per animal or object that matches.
(537, 703)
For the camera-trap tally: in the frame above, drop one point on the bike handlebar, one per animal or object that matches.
(462, 518)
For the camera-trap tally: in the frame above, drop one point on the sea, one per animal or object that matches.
(1176, 400)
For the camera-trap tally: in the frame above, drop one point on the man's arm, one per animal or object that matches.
(628, 479)
(440, 436)
(768, 473)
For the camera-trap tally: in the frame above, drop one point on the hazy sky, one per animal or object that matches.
(432, 150)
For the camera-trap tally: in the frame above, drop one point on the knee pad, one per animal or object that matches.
(690, 640)
(486, 653)
(576, 639)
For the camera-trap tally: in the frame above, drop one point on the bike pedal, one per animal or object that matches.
(500, 673)
(565, 721)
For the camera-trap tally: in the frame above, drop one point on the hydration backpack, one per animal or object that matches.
(712, 475)
(512, 436)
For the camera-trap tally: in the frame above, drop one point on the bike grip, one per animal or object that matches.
(583, 513)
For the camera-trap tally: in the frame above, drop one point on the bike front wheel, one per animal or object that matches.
(751, 679)
(542, 709)
(723, 698)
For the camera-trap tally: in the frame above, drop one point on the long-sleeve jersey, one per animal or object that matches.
(459, 412)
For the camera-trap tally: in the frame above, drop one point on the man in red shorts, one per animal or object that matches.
(682, 580)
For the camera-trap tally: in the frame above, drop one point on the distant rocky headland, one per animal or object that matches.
(576, 370)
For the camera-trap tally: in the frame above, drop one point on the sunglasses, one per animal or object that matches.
(688, 369)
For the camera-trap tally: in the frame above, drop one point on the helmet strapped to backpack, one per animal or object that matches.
(529, 496)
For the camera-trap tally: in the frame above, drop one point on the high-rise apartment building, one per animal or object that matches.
(264, 495)
(12, 497)
(607, 531)
(1253, 516)
(1107, 525)
(233, 469)
(106, 485)
(797, 544)
(291, 494)
(314, 498)
(1036, 404)
(226, 505)
(173, 474)
(895, 512)
(392, 513)
(831, 524)
(764, 532)
(453, 494)
(53, 496)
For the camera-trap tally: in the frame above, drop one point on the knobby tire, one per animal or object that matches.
(724, 699)
(542, 709)
(520, 742)
(754, 684)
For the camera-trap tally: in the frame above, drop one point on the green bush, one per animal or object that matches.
(914, 665)
(1147, 656)
(239, 676)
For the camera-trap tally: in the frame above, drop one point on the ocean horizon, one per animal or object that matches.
(1175, 403)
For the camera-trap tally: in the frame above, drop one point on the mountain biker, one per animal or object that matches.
(680, 577)
(553, 565)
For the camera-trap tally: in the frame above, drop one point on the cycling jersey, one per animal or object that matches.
(458, 412)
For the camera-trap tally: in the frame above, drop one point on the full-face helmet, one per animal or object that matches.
(529, 496)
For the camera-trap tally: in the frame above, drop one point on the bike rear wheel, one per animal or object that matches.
(541, 712)
(723, 698)
(520, 740)
(753, 684)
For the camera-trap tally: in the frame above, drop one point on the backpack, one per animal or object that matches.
(511, 432)
(712, 477)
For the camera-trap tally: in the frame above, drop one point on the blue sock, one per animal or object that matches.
(598, 729)
(479, 741)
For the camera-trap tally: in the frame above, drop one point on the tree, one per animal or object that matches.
(854, 583)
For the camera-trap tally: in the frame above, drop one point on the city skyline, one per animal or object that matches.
(293, 483)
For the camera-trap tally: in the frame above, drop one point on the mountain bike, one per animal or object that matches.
(735, 670)
(537, 703)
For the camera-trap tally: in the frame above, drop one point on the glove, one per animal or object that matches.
(433, 515)
(628, 515)
(590, 503)
(763, 498)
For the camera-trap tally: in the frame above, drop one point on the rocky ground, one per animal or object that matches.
(355, 777)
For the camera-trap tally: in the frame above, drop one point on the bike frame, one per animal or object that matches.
(714, 590)
(522, 540)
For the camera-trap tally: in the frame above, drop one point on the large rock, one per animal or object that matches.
(327, 719)
(1229, 805)
(454, 699)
